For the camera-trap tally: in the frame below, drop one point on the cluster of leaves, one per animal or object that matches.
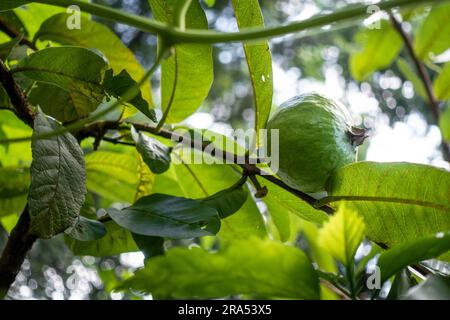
(111, 199)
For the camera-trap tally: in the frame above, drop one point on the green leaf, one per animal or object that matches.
(167, 216)
(94, 35)
(188, 74)
(379, 47)
(398, 201)
(58, 180)
(432, 35)
(86, 230)
(398, 257)
(254, 267)
(198, 181)
(259, 60)
(12, 4)
(342, 234)
(14, 186)
(76, 86)
(410, 75)
(102, 165)
(65, 105)
(228, 201)
(435, 287)
(442, 83)
(118, 85)
(444, 124)
(150, 246)
(155, 154)
(116, 241)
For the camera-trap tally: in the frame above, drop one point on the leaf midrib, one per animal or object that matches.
(421, 203)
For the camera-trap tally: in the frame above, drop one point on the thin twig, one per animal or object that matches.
(424, 77)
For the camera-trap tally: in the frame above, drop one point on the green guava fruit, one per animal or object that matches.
(316, 138)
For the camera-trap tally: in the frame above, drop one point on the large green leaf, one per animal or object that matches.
(259, 60)
(228, 201)
(34, 14)
(432, 35)
(442, 83)
(198, 181)
(168, 216)
(14, 185)
(116, 241)
(154, 153)
(254, 267)
(112, 175)
(15, 154)
(379, 48)
(342, 234)
(188, 74)
(76, 86)
(398, 201)
(395, 259)
(94, 35)
(58, 180)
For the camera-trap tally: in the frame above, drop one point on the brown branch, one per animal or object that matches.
(19, 243)
(13, 33)
(18, 98)
(424, 77)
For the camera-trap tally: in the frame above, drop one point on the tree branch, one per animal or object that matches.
(13, 33)
(243, 162)
(424, 78)
(19, 241)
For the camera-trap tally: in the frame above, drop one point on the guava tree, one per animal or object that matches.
(85, 154)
